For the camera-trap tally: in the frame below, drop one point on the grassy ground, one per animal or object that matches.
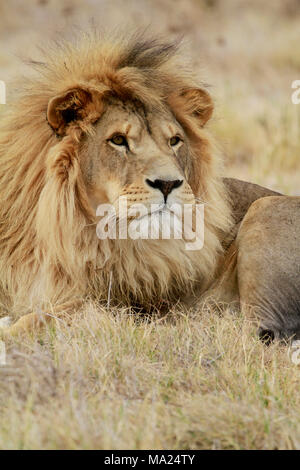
(189, 380)
(184, 382)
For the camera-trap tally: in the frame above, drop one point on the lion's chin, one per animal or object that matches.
(162, 224)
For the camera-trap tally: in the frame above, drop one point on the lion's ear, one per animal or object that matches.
(199, 104)
(195, 103)
(70, 106)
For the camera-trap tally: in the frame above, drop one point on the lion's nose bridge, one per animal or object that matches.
(161, 167)
(164, 169)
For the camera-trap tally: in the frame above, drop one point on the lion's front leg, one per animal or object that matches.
(28, 323)
(268, 266)
(34, 322)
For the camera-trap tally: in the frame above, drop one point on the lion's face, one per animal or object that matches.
(137, 154)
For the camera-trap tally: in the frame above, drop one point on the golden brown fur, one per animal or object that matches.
(49, 253)
(58, 162)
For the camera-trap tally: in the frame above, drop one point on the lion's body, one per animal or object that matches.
(268, 265)
(54, 174)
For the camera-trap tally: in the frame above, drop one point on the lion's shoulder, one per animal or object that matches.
(242, 194)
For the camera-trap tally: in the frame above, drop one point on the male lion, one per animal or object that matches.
(104, 119)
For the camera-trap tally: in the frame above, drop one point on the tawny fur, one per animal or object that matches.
(49, 252)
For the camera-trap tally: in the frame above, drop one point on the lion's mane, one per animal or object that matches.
(48, 247)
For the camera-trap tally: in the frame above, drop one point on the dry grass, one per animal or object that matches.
(187, 381)
(193, 379)
(263, 148)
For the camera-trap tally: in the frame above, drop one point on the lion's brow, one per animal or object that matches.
(141, 111)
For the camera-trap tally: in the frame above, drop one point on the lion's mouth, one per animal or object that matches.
(164, 209)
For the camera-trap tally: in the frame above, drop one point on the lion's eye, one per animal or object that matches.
(119, 139)
(175, 140)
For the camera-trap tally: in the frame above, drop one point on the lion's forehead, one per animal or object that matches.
(143, 120)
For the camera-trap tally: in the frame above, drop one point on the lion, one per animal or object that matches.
(106, 118)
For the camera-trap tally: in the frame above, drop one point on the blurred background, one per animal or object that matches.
(246, 51)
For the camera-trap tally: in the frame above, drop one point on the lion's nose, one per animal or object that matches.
(164, 186)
